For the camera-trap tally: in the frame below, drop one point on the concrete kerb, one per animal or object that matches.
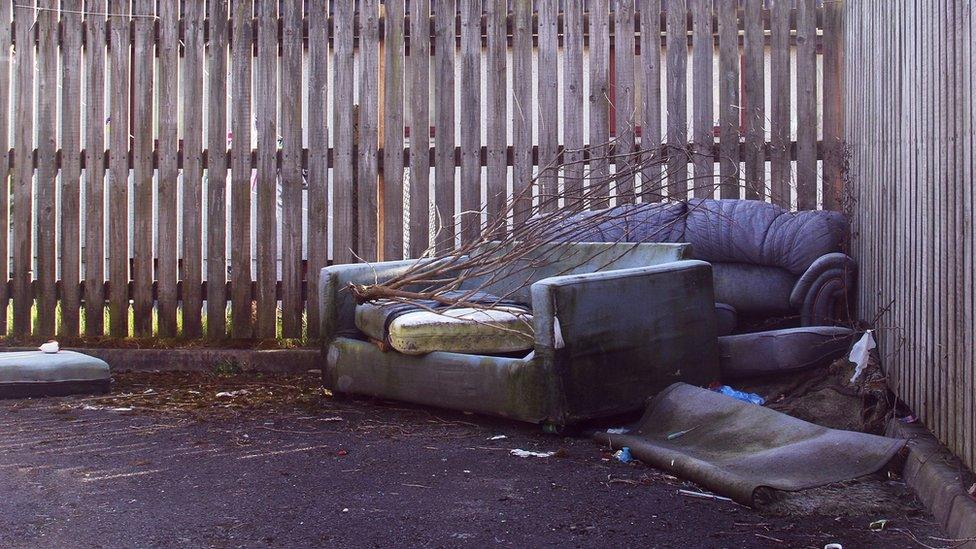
(940, 480)
(272, 361)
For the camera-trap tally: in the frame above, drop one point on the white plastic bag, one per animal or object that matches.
(50, 347)
(860, 353)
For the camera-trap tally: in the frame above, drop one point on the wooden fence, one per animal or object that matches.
(161, 134)
(910, 115)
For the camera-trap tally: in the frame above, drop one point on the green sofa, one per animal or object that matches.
(613, 324)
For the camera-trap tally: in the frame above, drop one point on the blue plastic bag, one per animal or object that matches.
(623, 455)
(745, 397)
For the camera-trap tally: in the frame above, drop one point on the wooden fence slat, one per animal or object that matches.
(167, 97)
(217, 170)
(368, 120)
(23, 174)
(290, 75)
(780, 169)
(318, 155)
(497, 91)
(5, 173)
(834, 30)
(930, 193)
(677, 59)
(728, 98)
(572, 104)
(118, 234)
(444, 17)
(522, 112)
(650, 17)
(754, 84)
(70, 167)
(918, 251)
(47, 173)
(392, 191)
(968, 381)
(599, 102)
(192, 79)
(470, 118)
(624, 120)
(23, 145)
(419, 105)
(142, 180)
(806, 105)
(343, 183)
(266, 96)
(942, 178)
(94, 168)
(702, 55)
(548, 113)
(242, 44)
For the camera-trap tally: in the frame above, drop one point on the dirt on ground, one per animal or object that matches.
(202, 460)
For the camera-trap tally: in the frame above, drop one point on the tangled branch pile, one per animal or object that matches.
(564, 212)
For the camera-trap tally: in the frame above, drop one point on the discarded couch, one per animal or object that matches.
(767, 262)
(612, 324)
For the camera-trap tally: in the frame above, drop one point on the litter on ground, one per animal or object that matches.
(518, 452)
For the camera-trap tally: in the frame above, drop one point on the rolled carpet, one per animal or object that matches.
(733, 447)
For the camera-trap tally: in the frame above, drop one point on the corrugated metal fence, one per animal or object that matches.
(910, 126)
(190, 155)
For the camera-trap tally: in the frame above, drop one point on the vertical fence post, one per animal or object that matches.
(142, 182)
(470, 114)
(5, 171)
(677, 58)
(393, 131)
(70, 169)
(167, 91)
(118, 230)
(47, 173)
(343, 183)
(318, 155)
(95, 168)
(444, 16)
(572, 103)
(650, 20)
(290, 75)
(368, 200)
(266, 103)
(522, 110)
(217, 172)
(834, 29)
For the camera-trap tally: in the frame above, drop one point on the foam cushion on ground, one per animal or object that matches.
(782, 351)
(33, 373)
(462, 330)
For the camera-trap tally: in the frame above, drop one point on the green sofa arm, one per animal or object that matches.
(337, 308)
(615, 338)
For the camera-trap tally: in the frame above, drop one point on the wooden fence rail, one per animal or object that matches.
(181, 162)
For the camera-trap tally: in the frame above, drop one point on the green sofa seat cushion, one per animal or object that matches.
(490, 330)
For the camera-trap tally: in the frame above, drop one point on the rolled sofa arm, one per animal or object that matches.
(823, 290)
(337, 308)
(616, 337)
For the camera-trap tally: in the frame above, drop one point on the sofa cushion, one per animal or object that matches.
(424, 327)
(753, 289)
(734, 231)
(782, 351)
(34, 373)
(751, 231)
(495, 330)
